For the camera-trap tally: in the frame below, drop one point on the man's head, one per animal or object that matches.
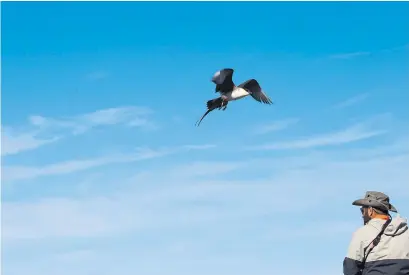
(369, 213)
(374, 204)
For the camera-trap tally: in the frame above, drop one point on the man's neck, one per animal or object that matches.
(380, 216)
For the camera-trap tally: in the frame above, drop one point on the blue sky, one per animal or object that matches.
(104, 172)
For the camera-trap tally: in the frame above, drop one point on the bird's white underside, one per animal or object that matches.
(236, 94)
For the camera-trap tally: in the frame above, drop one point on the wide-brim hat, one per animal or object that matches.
(376, 200)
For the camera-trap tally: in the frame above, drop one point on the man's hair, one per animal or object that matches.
(380, 211)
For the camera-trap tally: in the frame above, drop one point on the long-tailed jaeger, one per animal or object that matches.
(230, 92)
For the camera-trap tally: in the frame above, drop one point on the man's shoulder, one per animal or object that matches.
(360, 231)
(366, 231)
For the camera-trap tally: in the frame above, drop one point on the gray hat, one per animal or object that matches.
(376, 200)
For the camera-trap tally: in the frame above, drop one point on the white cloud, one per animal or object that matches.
(359, 131)
(15, 173)
(349, 55)
(128, 115)
(210, 168)
(276, 125)
(199, 147)
(352, 101)
(47, 130)
(12, 143)
(175, 258)
(122, 213)
(149, 204)
(318, 229)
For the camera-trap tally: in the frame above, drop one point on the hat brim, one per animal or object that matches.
(375, 204)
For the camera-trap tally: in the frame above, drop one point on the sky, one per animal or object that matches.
(104, 171)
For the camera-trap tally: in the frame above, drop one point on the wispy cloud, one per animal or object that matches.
(314, 230)
(15, 173)
(13, 143)
(128, 115)
(199, 147)
(349, 55)
(202, 168)
(276, 126)
(397, 48)
(351, 101)
(43, 130)
(351, 134)
(184, 204)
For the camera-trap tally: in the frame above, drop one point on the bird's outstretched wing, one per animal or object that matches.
(211, 105)
(223, 80)
(255, 91)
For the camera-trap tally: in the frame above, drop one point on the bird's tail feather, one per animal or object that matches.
(214, 103)
(211, 105)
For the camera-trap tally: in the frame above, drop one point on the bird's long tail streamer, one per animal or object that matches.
(205, 114)
(211, 105)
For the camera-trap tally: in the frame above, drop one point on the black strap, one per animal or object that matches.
(375, 241)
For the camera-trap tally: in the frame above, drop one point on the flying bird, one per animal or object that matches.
(230, 92)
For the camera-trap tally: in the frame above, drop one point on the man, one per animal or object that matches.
(381, 246)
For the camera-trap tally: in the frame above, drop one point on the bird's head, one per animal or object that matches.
(216, 77)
